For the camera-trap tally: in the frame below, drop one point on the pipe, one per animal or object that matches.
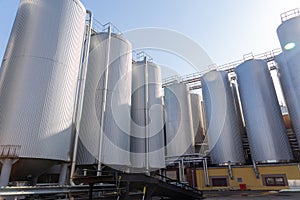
(230, 171)
(205, 170)
(185, 155)
(255, 169)
(80, 93)
(5, 172)
(181, 171)
(104, 99)
(146, 117)
(63, 174)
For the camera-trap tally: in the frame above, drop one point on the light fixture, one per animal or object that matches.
(289, 46)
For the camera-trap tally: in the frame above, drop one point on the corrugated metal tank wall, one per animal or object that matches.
(264, 123)
(289, 68)
(147, 103)
(179, 125)
(38, 82)
(223, 125)
(197, 117)
(116, 137)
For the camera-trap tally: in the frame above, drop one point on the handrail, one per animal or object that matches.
(229, 67)
(289, 14)
(178, 184)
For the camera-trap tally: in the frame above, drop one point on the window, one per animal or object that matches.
(274, 180)
(219, 181)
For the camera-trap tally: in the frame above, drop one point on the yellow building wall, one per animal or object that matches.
(248, 176)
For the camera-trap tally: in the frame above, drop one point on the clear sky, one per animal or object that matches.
(226, 30)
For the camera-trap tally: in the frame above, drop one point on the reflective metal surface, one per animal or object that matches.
(222, 122)
(147, 117)
(179, 125)
(38, 81)
(116, 127)
(289, 69)
(264, 123)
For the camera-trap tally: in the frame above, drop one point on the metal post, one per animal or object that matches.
(255, 169)
(146, 117)
(80, 93)
(182, 168)
(230, 170)
(205, 171)
(104, 99)
(63, 174)
(193, 178)
(5, 172)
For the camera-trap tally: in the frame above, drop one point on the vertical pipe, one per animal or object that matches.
(80, 93)
(63, 174)
(146, 116)
(104, 98)
(5, 172)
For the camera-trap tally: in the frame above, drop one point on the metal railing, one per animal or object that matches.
(193, 80)
(178, 184)
(289, 14)
(9, 151)
(99, 27)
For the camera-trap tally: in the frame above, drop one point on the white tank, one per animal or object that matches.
(147, 118)
(178, 116)
(289, 68)
(264, 123)
(222, 122)
(115, 150)
(38, 83)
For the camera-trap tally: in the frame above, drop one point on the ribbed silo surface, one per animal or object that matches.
(223, 125)
(116, 127)
(147, 117)
(178, 116)
(38, 78)
(197, 117)
(289, 68)
(264, 123)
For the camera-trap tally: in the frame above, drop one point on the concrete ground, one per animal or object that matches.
(251, 195)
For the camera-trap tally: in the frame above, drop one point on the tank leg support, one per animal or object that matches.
(5, 172)
(63, 174)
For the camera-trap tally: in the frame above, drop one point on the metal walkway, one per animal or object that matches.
(193, 80)
(141, 186)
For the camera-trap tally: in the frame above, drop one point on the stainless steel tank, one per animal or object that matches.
(223, 125)
(197, 118)
(38, 84)
(289, 68)
(178, 117)
(147, 126)
(114, 51)
(264, 123)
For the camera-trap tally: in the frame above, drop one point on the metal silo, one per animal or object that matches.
(223, 125)
(289, 68)
(197, 118)
(178, 116)
(104, 134)
(38, 83)
(264, 123)
(147, 134)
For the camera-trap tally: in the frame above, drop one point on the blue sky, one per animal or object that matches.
(226, 30)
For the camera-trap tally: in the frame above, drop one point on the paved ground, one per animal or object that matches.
(252, 195)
